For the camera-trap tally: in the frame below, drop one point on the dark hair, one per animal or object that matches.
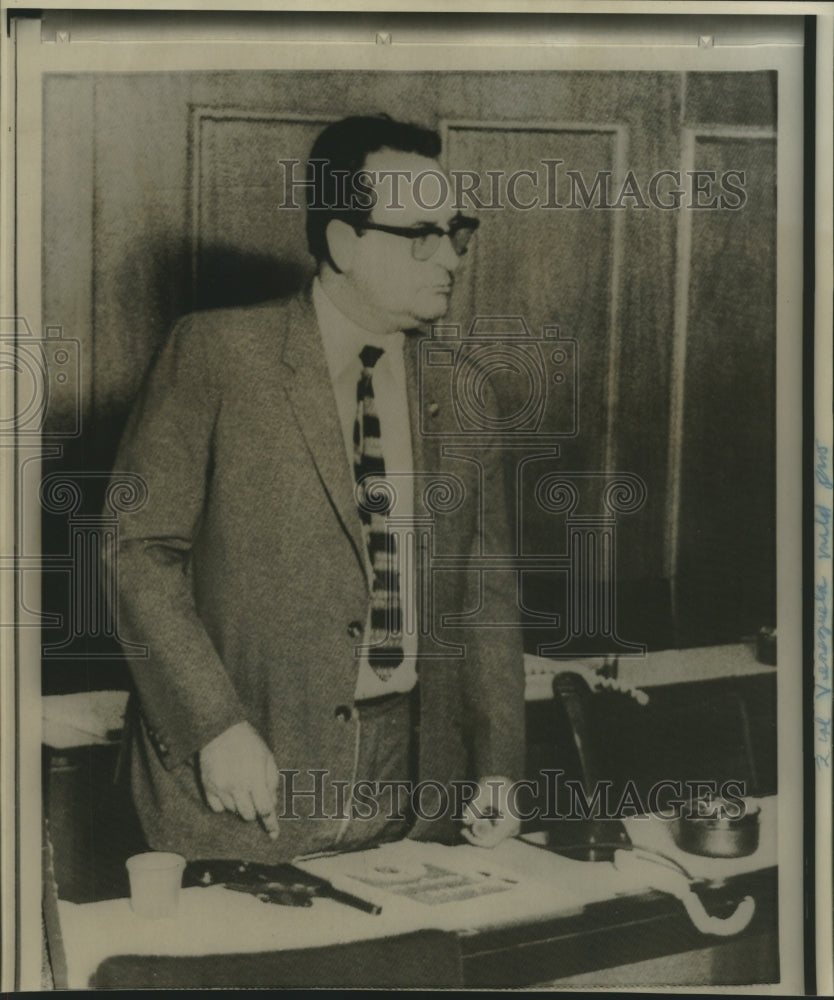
(337, 156)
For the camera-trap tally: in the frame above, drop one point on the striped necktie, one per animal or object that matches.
(374, 500)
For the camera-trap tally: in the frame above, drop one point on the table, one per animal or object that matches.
(564, 918)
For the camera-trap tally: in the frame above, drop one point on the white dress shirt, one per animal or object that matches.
(343, 340)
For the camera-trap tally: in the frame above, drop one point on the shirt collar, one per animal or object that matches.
(343, 339)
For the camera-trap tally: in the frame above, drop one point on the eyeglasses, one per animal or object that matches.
(425, 238)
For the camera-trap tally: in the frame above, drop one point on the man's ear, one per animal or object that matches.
(341, 242)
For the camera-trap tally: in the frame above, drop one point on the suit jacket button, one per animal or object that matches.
(342, 713)
(355, 629)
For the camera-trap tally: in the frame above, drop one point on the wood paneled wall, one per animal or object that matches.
(162, 194)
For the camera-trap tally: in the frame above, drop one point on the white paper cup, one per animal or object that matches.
(155, 880)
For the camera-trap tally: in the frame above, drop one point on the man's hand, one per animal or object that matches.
(486, 820)
(239, 774)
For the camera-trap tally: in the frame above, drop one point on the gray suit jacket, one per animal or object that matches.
(244, 570)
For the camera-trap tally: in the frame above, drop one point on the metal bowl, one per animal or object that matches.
(717, 835)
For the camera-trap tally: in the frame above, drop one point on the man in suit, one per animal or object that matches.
(303, 678)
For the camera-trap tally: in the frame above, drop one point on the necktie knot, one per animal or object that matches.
(369, 355)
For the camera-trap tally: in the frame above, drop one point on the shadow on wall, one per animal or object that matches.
(156, 284)
(227, 277)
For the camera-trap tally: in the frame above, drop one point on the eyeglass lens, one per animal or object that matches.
(426, 246)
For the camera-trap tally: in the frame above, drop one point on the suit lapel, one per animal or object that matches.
(310, 395)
